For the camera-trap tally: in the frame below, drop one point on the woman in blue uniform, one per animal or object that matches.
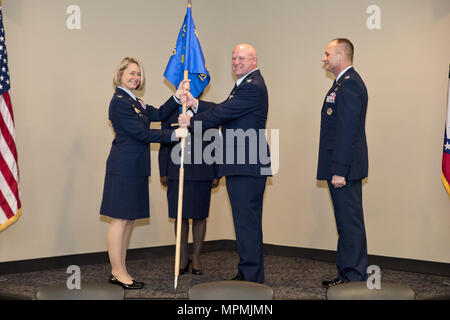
(125, 193)
(199, 178)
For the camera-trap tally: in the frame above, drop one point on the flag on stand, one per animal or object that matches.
(188, 55)
(10, 207)
(446, 154)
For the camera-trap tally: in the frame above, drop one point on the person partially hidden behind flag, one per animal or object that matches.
(244, 111)
(125, 193)
(343, 159)
(199, 178)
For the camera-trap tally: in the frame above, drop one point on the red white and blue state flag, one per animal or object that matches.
(10, 207)
(446, 154)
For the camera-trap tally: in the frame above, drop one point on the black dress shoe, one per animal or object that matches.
(327, 284)
(131, 286)
(186, 269)
(238, 277)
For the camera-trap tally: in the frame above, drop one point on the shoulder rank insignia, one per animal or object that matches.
(249, 80)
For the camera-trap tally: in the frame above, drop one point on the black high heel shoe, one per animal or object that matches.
(196, 272)
(139, 282)
(186, 269)
(132, 286)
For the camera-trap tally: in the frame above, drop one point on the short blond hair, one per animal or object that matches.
(122, 66)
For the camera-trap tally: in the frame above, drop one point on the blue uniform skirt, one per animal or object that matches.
(125, 197)
(196, 199)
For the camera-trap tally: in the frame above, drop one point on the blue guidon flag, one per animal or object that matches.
(446, 153)
(188, 55)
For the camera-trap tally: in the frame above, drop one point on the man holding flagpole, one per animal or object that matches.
(242, 116)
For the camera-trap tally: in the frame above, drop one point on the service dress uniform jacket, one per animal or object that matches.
(343, 144)
(125, 193)
(242, 115)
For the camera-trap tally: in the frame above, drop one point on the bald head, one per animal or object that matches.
(243, 59)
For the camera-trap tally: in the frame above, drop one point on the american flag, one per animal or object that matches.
(10, 207)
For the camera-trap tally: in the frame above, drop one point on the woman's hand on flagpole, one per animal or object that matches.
(181, 132)
(184, 120)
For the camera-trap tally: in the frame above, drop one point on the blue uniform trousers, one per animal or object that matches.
(351, 258)
(246, 197)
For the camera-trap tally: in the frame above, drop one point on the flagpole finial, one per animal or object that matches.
(189, 3)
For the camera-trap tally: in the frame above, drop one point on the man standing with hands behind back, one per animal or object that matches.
(343, 159)
(243, 113)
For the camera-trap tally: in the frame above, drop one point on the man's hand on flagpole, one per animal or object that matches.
(190, 101)
(182, 89)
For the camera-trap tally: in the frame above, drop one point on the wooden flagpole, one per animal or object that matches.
(180, 200)
(180, 191)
